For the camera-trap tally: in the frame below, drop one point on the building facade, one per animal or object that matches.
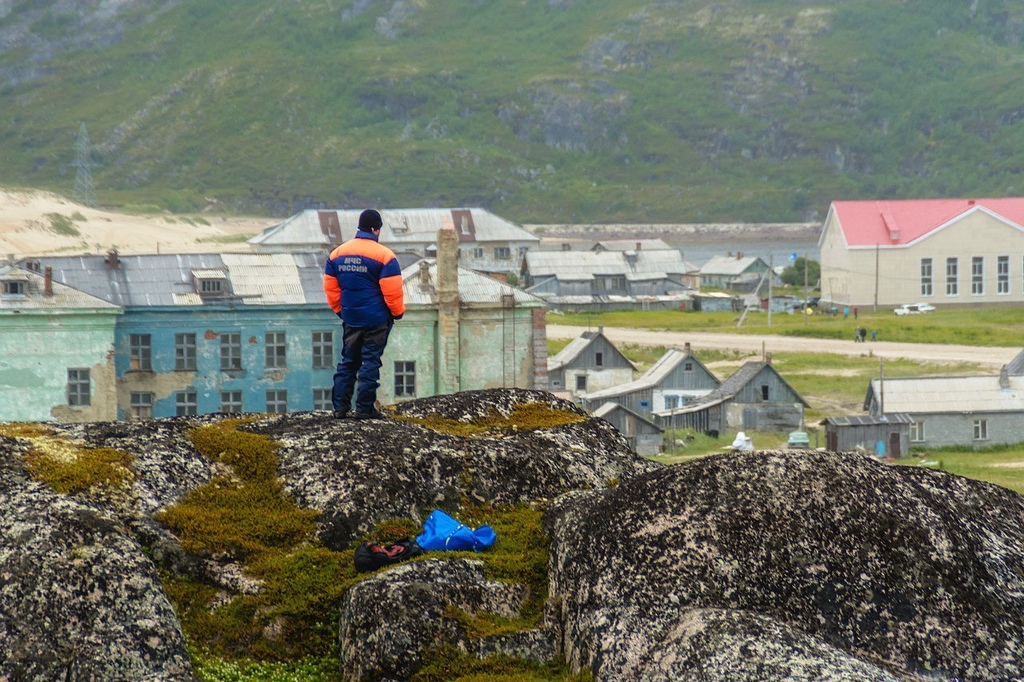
(939, 251)
(485, 242)
(970, 411)
(677, 378)
(589, 362)
(56, 350)
(201, 333)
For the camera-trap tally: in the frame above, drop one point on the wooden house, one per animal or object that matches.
(735, 272)
(755, 398)
(642, 434)
(610, 279)
(677, 378)
(590, 362)
(884, 435)
(971, 411)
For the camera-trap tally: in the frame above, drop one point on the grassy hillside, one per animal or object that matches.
(541, 110)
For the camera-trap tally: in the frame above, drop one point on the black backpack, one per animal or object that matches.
(370, 556)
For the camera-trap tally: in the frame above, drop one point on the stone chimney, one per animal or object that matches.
(424, 276)
(638, 245)
(686, 347)
(448, 324)
(1004, 377)
(48, 282)
(768, 358)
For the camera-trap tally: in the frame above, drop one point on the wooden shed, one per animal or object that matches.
(643, 435)
(883, 435)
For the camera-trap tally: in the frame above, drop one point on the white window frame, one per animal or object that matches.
(277, 401)
(186, 403)
(79, 387)
(977, 276)
(231, 402)
(952, 276)
(275, 346)
(405, 379)
(230, 351)
(927, 273)
(140, 353)
(140, 405)
(1002, 275)
(980, 429)
(323, 350)
(917, 431)
(322, 399)
(185, 352)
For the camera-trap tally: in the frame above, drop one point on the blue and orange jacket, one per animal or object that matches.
(363, 282)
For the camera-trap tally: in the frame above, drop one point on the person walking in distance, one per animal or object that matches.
(363, 284)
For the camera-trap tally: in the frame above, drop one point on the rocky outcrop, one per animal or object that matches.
(79, 598)
(390, 619)
(751, 566)
(796, 566)
(359, 473)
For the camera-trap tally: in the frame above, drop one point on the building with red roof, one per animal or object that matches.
(938, 251)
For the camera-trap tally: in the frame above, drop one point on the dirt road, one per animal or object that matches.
(994, 357)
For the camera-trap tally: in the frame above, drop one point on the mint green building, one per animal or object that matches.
(56, 350)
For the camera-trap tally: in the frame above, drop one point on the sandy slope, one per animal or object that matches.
(35, 223)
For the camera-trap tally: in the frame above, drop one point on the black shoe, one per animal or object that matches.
(341, 414)
(372, 414)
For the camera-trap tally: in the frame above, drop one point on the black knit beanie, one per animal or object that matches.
(369, 220)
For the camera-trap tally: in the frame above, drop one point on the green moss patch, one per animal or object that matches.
(451, 665)
(84, 470)
(524, 417)
(288, 631)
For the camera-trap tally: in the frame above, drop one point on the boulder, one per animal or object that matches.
(791, 565)
(358, 473)
(79, 598)
(389, 620)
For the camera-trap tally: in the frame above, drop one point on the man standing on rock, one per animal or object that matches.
(363, 284)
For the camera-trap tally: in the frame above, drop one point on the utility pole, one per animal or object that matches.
(84, 192)
(805, 288)
(875, 309)
(771, 276)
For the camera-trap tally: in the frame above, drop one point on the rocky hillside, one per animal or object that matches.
(548, 111)
(754, 566)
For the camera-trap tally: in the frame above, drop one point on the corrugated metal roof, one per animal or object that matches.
(168, 280)
(577, 264)
(570, 352)
(631, 245)
(401, 227)
(858, 420)
(730, 387)
(607, 408)
(474, 288)
(254, 279)
(728, 265)
(1015, 367)
(657, 372)
(868, 224)
(950, 394)
(34, 298)
(267, 278)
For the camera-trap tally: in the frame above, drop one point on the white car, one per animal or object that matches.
(914, 308)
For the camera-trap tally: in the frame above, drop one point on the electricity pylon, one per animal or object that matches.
(84, 192)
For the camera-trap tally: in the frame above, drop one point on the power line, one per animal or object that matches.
(84, 192)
